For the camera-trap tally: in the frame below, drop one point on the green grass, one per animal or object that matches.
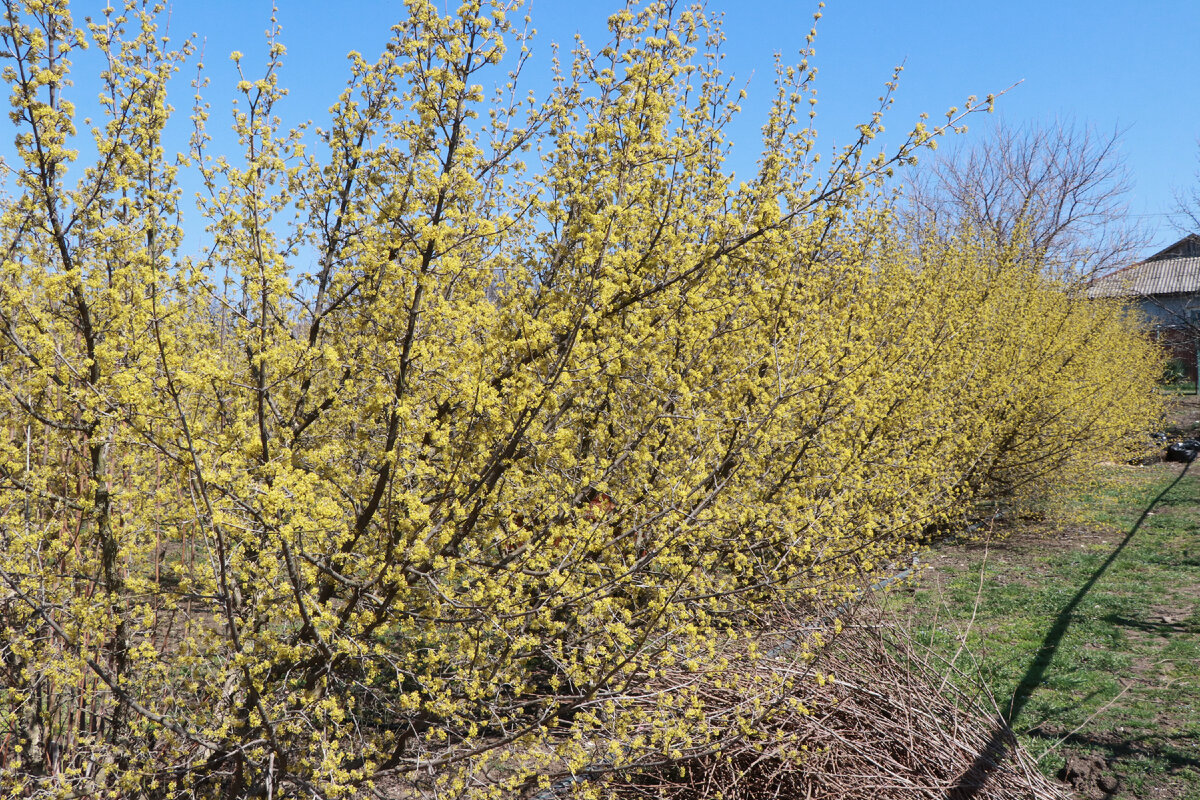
(1179, 388)
(1086, 645)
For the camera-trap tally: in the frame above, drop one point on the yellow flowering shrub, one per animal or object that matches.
(556, 417)
(1043, 381)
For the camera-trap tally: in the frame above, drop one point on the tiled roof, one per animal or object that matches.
(1165, 276)
(1186, 247)
(1167, 272)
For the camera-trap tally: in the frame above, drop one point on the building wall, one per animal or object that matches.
(1171, 310)
(1175, 320)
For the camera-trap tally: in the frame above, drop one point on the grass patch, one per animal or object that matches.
(1087, 637)
(1179, 388)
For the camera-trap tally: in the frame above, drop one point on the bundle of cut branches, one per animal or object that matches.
(868, 719)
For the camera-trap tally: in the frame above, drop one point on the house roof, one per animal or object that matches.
(1173, 270)
(1187, 247)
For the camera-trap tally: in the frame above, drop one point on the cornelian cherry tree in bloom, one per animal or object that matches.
(558, 417)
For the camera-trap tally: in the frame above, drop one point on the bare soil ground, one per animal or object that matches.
(1183, 417)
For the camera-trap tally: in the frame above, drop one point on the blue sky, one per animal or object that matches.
(1103, 63)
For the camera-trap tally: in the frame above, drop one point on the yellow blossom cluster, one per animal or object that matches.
(487, 434)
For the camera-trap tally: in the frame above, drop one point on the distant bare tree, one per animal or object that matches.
(1060, 187)
(1186, 213)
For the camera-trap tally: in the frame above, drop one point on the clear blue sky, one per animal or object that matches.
(1104, 63)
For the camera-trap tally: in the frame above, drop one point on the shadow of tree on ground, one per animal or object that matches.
(975, 778)
(1121, 747)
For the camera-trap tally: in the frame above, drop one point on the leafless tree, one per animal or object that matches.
(1062, 187)
(1186, 213)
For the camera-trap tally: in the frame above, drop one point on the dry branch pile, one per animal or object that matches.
(877, 727)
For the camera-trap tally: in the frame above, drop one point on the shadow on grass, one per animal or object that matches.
(993, 754)
(1153, 628)
(1124, 747)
